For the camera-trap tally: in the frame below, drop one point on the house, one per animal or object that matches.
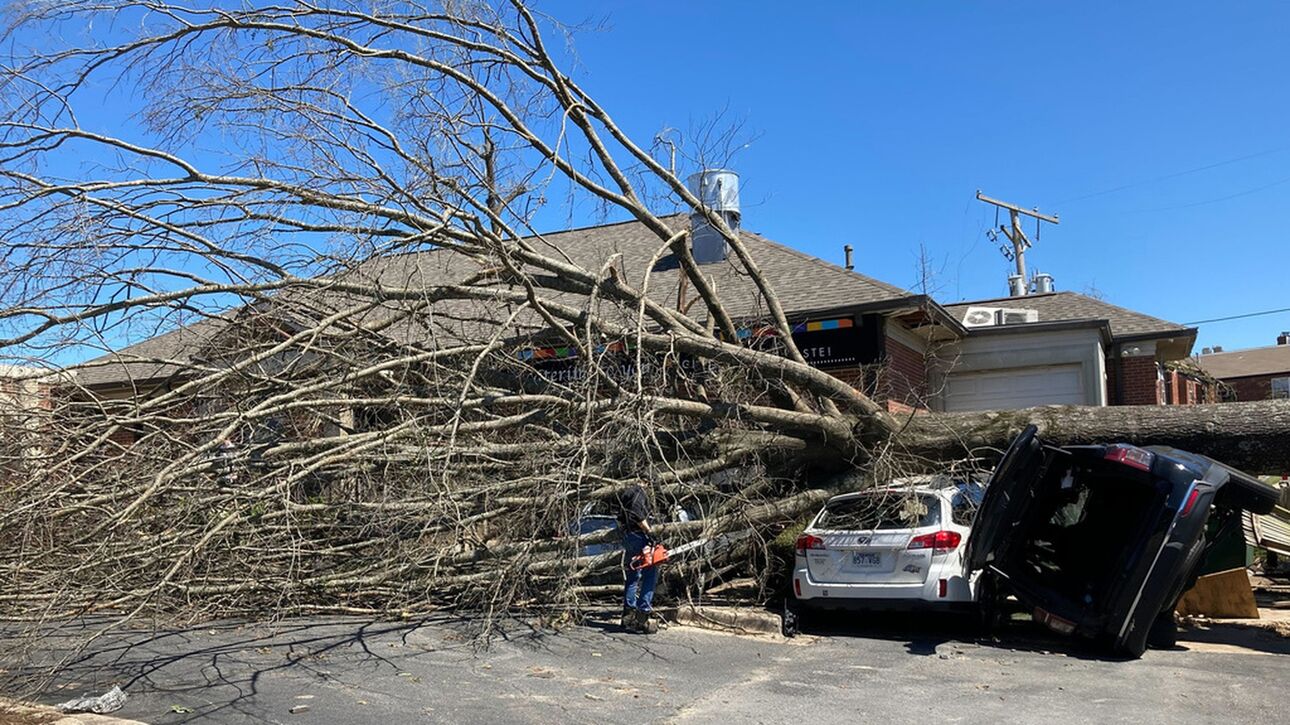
(1260, 373)
(863, 330)
(903, 349)
(1059, 348)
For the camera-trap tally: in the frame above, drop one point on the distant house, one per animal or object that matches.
(1062, 348)
(1259, 373)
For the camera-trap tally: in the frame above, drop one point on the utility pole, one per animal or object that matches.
(1020, 242)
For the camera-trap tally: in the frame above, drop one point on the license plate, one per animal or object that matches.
(866, 559)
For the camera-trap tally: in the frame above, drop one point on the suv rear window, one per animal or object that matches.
(886, 510)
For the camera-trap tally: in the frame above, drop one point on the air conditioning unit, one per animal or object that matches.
(989, 316)
(981, 316)
(1012, 316)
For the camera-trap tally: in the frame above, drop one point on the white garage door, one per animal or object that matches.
(1015, 388)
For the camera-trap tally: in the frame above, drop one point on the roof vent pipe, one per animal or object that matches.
(1016, 285)
(718, 191)
(846, 253)
(1283, 338)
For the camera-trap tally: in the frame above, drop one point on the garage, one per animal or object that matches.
(1015, 388)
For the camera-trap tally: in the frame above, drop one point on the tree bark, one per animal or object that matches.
(1253, 436)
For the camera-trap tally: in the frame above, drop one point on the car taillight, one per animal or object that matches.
(939, 542)
(1131, 456)
(808, 541)
(1191, 502)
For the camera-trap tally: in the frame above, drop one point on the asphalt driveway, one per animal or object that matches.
(344, 670)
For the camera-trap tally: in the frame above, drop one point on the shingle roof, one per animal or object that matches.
(152, 359)
(804, 284)
(1055, 306)
(1243, 363)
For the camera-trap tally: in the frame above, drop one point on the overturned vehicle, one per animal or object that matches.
(1101, 541)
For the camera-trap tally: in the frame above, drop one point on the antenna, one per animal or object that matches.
(1020, 242)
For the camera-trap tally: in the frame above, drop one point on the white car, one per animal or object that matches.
(900, 546)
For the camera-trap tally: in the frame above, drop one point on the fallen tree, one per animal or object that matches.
(1250, 436)
(331, 212)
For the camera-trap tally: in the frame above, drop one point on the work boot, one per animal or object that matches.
(628, 621)
(647, 624)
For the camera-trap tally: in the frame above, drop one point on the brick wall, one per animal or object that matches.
(1183, 389)
(903, 378)
(1258, 387)
(1141, 385)
(898, 381)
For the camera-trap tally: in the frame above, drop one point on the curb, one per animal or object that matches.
(730, 619)
(22, 712)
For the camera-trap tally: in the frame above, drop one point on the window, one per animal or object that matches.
(966, 500)
(1281, 387)
(881, 510)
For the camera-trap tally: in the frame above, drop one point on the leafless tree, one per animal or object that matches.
(335, 205)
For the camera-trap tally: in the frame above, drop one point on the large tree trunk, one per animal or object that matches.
(1253, 436)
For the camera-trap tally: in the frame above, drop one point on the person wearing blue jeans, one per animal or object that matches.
(638, 592)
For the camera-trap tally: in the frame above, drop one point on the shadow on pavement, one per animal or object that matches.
(219, 663)
(924, 633)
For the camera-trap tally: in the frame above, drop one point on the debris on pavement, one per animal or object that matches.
(110, 701)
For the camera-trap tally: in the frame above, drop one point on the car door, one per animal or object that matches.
(1007, 495)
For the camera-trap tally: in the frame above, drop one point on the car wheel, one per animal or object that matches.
(1164, 631)
(990, 612)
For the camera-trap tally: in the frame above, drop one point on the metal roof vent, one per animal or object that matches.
(1283, 338)
(718, 190)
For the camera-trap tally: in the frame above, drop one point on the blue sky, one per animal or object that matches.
(1160, 132)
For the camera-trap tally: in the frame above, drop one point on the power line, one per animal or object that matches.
(1247, 192)
(1174, 175)
(1239, 317)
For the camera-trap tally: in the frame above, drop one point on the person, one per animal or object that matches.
(638, 589)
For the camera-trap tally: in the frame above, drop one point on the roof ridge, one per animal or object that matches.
(1001, 299)
(1246, 349)
(826, 265)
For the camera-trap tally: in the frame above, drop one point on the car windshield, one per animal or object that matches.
(881, 510)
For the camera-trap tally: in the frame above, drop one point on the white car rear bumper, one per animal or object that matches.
(958, 590)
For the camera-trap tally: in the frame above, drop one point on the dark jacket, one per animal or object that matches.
(633, 508)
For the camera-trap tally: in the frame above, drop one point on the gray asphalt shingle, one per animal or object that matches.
(804, 284)
(1067, 306)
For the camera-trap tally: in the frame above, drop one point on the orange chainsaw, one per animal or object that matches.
(652, 555)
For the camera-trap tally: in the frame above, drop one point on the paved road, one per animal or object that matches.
(349, 671)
